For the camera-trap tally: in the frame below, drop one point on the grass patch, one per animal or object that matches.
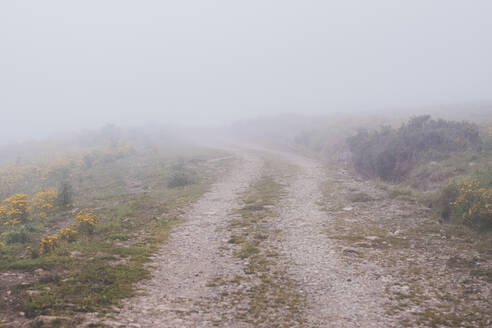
(248, 250)
(97, 270)
(98, 285)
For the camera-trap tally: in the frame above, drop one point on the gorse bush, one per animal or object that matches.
(68, 233)
(391, 154)
(469, 200)
(85, 223)
(86, 220)
(43, 203)
(15, 209)
(49, 243)
(19, 215)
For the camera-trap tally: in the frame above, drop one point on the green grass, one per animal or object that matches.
(99, 269)
(96, 285)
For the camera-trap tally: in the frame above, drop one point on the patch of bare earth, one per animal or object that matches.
(179, 294)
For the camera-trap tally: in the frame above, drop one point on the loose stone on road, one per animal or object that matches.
(177, 295)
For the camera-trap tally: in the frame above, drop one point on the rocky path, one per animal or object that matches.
(338, 295)
(177, 295)
(199, 281)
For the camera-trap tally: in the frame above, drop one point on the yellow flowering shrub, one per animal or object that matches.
(470, 200)
(43, 203)
(87, 220)
(68, 234)
(16, 207)
(49, 243)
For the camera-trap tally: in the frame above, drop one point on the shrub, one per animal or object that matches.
(86, 220)
(68, 234)
(391, 154)
(468, 200)
(15, 208)
(49, 243)
(181, 175)
(44, 203)
(180, 179)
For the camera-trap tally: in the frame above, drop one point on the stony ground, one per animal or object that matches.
(283, 241)
(434, 274)
(338, 294)
(178, 295)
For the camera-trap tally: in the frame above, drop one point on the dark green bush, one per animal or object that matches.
(391, 154)
(181, 179)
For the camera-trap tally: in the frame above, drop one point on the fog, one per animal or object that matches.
(68, 65)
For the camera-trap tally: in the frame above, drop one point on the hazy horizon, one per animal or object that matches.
(69, 66)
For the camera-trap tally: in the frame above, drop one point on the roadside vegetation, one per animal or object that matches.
(391, 154)
(420, 208)
(75, 233)
(442, 164)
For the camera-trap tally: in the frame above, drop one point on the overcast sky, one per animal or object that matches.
(71, 64)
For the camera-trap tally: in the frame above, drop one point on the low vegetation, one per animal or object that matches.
(441, 164)
(78, 242)
(391, 154)
(468, 200)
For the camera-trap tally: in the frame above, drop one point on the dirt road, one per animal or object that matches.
(303, 240)
(179, 295)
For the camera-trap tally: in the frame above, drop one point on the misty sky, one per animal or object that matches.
(71, 64)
